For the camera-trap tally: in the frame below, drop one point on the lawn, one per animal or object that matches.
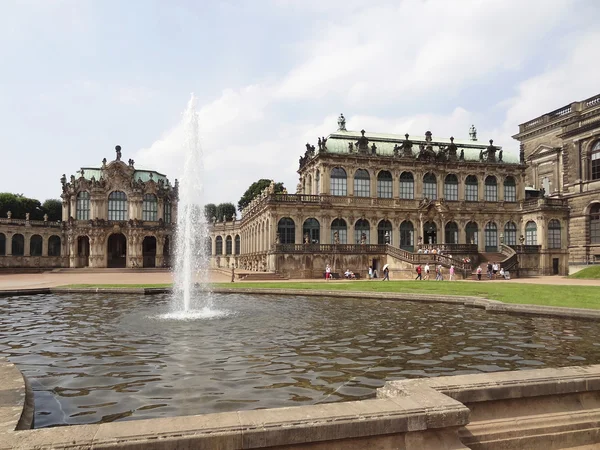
(535, 294)
(589, 273)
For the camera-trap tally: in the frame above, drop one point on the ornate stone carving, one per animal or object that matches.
(363, 143)
(118, 150)
(342, 123)
(473, 133)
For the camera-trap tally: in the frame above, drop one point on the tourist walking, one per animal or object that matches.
(427, 271)
(327, 272)
(370, 272)
(419, 277)
(438, 273)
(489, 270)
(479, 273)
(451, 273)
(386, 274)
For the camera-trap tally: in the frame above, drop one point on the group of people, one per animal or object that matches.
(423, 272)
(494, 270)
(348, 274)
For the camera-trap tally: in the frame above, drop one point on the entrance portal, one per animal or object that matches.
(83, 251)
(555, 262)
(117, 251)
(149, 251)
(430, 233)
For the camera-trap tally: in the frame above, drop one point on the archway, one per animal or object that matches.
(430, 233)
(149, 251)
(117, 250)
(83, 251)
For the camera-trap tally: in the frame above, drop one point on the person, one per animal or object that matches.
(419, 277)
(489, 270)
(420, 251)
(426, 251)
(386, 274)
(495, 269)
(427, 271)
(451, 273)
(370, 272)
(327, 272)
(438, 273)
(232, 274)
(502, 272)
(479, 273)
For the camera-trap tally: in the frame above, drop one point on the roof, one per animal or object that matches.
(144, 175)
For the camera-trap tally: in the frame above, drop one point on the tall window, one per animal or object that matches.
(471, 189)
(451, 187)
(2, 244)
(362, 226)
(510, 233)
(554, 234)
(531, 233)
(407, 186)
(312, 228)
(491, 189)
(451, 232)
(83, 206)
(362, 183)
(237, 244)
(594, 224)
(384, 184)
(407, 236)
(228, 245)
(54, 246)
(595, 161)
(287, 231)
(338, 181)
(18, 245)
(35, 245)
(510, 190)
(430, 186)
(384, 232)
(491, 237)
(167, 211)
(117, 206)
(339, 226)
(150, 208)
(219, 245)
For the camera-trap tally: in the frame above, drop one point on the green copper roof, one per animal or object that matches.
(144, 175)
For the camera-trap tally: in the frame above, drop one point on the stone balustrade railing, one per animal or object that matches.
(526, 248)
(547, 202)
(33, 223)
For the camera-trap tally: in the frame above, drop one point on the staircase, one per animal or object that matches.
(491, 256)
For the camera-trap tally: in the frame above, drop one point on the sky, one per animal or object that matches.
(78, 77)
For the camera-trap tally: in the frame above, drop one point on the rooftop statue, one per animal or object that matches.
(118, 150)
(500, 156)
(396, 149)
(363, 143)
(350, 147)
(491, 151)
(452, 149)
(373, 149)
(473, 133)
(407, 146)
(63, 180)
(462, 155)
(428, 136)
(342, 123)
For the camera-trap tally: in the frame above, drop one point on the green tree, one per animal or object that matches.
(210, 211)
(255, 189)
(53, 208)
(227, 210)
(19, 205)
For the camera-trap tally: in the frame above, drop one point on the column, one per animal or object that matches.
(325, 230)
(500, 187)
(419, 189)
(480, 187)
(72, 212)
(298, 238)
(461, 187)
(8, 243)
(325, 181)
(65, 210)
(350, 182)
(27, 239)
(161, 209)
(542, 234)
(395, 233)
(396, 187)
(373, 180)
(372, 232)
(45, 245)
(213, 245)
(481, 237)
(441, 179)
(159, 258)
(72, 251)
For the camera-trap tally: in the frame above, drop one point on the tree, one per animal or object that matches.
(210, 211)
(227, 210)
(53, 208)
(255, 189)
(19, 205)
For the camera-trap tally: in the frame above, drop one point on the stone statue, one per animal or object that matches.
(363, 239)
(284, 191)
(542, 192)
(396, 149)
(63, 180)
(480, 155)
(131, 162)
(462, 154)
(350, 147)
(500, 156)
(118, 150)
(428, 136)
(373, 149)
(9, 214)
(306, 238)
(299, 188)
(336, 238)
(103, 163)
(342, 123)
(491, 151)
(522, 153)
(45, 217)
(320, 144)
(271, 188)
(407, 146)
(82, 172)
(27, 216)
(277, 238)
(363, 143)
(473, 133)
(72, 179)
(324, 142)
(452, 149)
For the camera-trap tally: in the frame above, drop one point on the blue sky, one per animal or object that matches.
(79, 77)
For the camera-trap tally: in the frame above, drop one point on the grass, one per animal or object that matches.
(533, 294)
(589, 273)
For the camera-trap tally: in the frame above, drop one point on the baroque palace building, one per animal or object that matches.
(112, 216)
(369, 199)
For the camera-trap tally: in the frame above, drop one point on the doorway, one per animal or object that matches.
(83, 251)
(149, 251)
(117, 251)
(430, 233)
(555, 266)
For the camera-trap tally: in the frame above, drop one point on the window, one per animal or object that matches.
(338, 181)
(407, 186)
(287, 231)
(362, 227)
(35, 245)
(219, 246)
(312, 228)
(595, 161)
(228, 245)
(339, 226)
(594, 224)
(384, 184)
(2, 244)
(510, 233)
(491, 237)
(167, 212)
(531, 233)
(150, 208)
(384, 232)
(117, 206)
(472, 232)
(54, 246)
(491, 189)
(237, 244)
(471, 189)
(451, 187)
(451, 232)
(554, 234)
(18, 245)
(83, 206)
(407, 236)
(362, 183)
(430, 186)
(510, 190)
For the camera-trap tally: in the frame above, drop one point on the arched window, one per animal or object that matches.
(361, 227)
(530, 233)
(18, 245)
(312, 228)
(318, 183)
(362, 183)
(35, 245)
(471, 189)
(219, 246)
(554, 234)
(384, 184)
(491, 237)
(83, 206)
(451, 232)
(339, 226)
(510, 233)
(472, 232)
(594, 224)
(338, 181)
(54, 246)
(167, 211)
(150, 208)
(407, 236)
(2, 244)
(117, 206)
(287, 231)
(237, 244)
(595, 162)
(228, 245)
(407, 186)
(451, 187)
(430, 186)
(491, 189)
(510, 189)
(384, 232)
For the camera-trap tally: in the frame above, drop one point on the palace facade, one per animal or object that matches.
(112, 216)
(369, 199)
